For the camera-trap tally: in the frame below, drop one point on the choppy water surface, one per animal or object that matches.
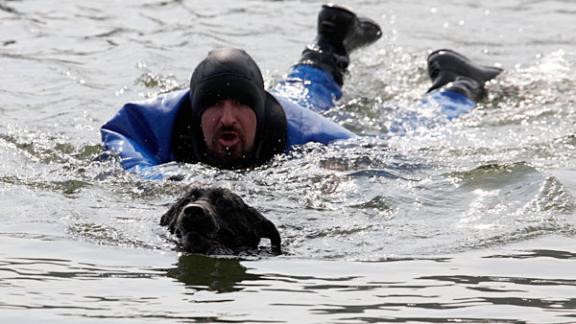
(470, 221)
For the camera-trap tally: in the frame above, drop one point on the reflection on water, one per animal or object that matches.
(216, 274)
(75, 282)
(471, 221)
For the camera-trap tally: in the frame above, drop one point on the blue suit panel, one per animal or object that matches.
(306, 126)
(310, 87)
(140, 133)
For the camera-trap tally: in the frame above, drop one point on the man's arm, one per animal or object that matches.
(132, 155)
(141, 133)
(305, 125)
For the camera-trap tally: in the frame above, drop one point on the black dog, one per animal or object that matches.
(217, 221)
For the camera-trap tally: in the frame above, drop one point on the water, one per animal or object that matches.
(471, 221)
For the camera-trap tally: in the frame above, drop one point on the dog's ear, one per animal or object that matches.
(171, 216)
(268, 230)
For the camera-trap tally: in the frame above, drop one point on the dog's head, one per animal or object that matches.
(217, 221)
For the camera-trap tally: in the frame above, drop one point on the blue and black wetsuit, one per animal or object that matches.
(153, 132)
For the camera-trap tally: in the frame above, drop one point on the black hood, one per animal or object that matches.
(229, 74)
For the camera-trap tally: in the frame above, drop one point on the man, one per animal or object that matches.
(228, 120)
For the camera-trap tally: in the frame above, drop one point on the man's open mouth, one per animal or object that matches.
(228, 139)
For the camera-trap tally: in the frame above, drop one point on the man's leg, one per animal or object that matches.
(311, 87)
(457, 82)
(316, 81)
(457, 85)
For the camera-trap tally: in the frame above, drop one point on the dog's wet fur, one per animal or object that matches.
(215, 221)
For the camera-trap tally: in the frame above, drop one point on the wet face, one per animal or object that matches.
(229, 129)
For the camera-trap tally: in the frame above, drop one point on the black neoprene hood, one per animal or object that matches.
(227, 73)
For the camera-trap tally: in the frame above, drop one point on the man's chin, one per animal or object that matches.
(229, 160)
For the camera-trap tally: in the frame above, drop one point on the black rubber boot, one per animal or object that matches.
(456, 72)
(340, 32)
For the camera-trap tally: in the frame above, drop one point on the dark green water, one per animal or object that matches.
(471, 221)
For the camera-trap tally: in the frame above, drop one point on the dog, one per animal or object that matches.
(216, 221)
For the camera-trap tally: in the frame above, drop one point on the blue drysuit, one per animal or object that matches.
(141, 132)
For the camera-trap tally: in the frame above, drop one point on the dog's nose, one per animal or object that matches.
(193, 210)
(196, 218)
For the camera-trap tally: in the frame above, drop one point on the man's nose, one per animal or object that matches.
(228, 112)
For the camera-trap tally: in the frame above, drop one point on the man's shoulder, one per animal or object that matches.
(166, 101)
(305, 125)
(160, 110)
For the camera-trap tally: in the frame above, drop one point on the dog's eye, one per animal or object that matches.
(194, 194)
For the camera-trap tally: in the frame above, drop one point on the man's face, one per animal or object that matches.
(229, 130)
